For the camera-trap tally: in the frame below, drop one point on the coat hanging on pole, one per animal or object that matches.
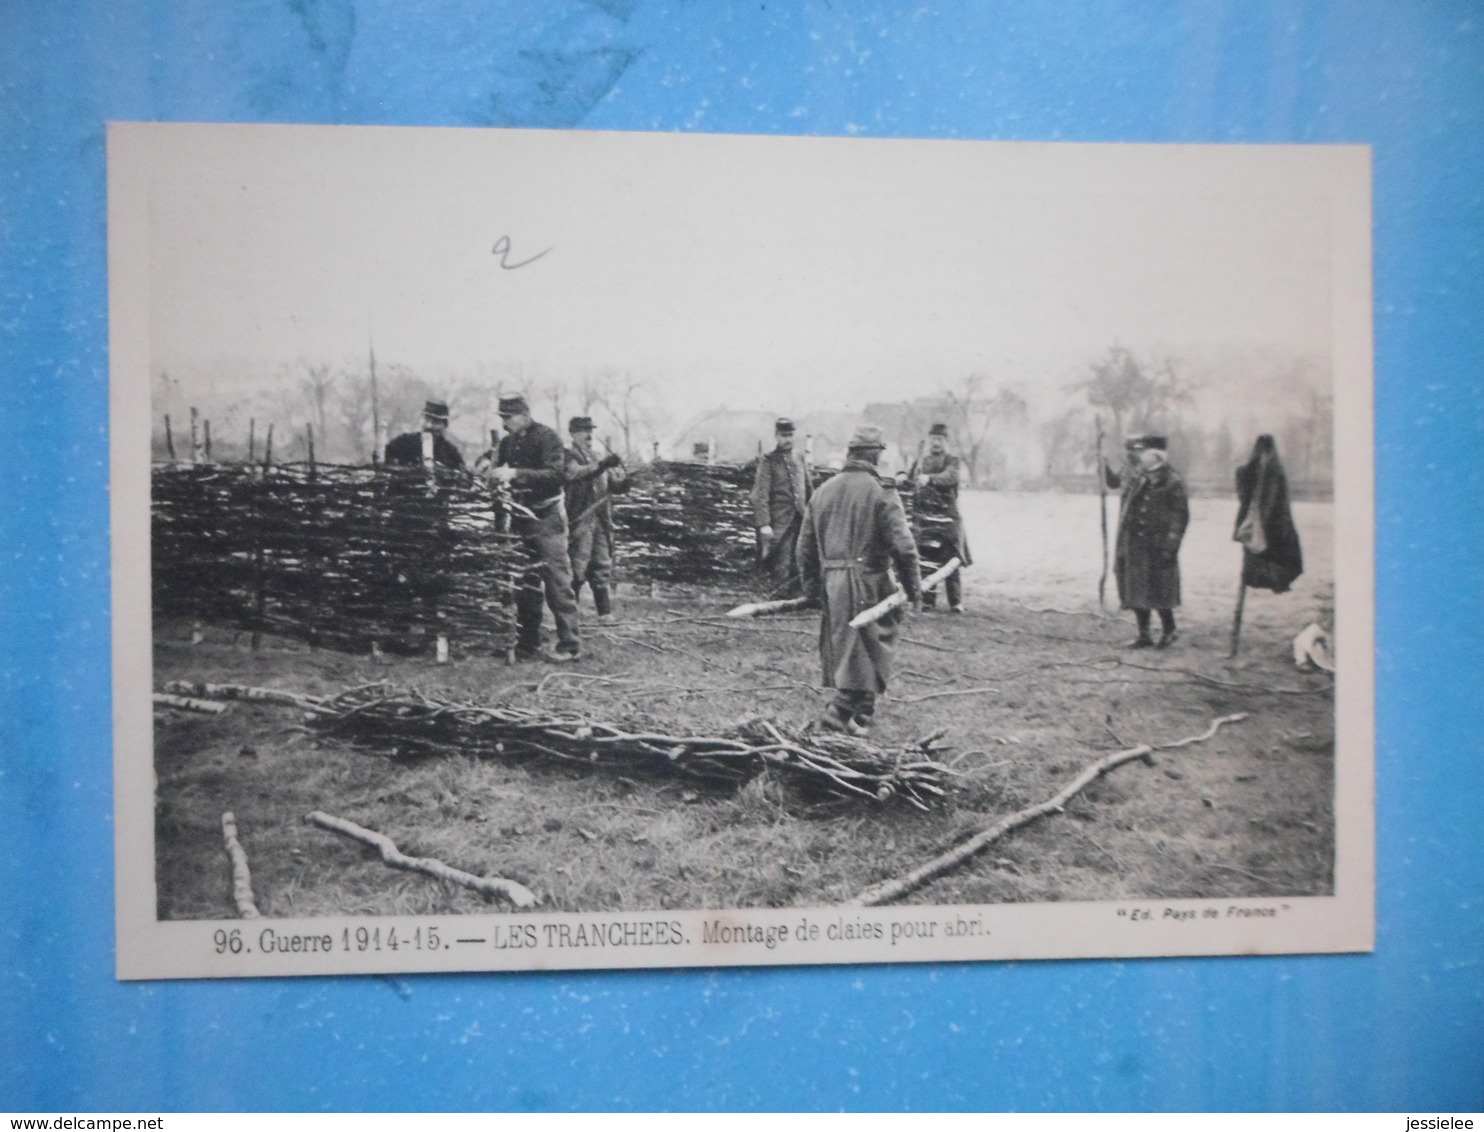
(1271, 555)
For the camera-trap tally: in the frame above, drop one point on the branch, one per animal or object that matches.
(241, 878)
(890, 890)
(493, 887)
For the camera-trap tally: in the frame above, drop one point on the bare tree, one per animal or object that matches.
(1139, 396)
(626, 402)
(316, 384)
(976, 410)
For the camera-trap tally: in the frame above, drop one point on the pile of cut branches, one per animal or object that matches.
(409, 723)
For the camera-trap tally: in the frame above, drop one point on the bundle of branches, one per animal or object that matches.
(690, 523)
(409, 723)
(340, 556)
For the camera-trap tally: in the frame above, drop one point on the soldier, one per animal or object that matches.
(591, 483)
(412, 449)
(937, 525)
(853, 533)
(531, 462)
(1151, 525)
(780, 493)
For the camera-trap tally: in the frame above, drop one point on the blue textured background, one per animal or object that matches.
(1403, 1028)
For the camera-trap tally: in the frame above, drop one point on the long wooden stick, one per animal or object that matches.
(186, 703)
(882, 608)
(890, 890)
(242, 692)
(1236, 640)
(759, 608)
(1103, 516)
(247, 908)
(494, 887)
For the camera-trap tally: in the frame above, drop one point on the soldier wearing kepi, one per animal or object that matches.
(854, 532)
(412, 449)
(938, 526)
(591, 484)
(780, 492)
(1151, 526)
(530, 461)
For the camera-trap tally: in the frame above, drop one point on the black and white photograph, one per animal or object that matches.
(572, 549)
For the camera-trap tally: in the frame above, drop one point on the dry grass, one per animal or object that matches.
(1248, 813)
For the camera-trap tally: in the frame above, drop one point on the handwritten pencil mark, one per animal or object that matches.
(502, 249)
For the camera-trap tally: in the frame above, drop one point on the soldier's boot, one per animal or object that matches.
(1143, 640)
(833, 719)
(1167, 636)
(602, 600)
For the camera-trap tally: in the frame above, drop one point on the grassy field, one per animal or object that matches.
(1032, 683)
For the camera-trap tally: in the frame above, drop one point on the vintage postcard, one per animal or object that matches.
(544, 549)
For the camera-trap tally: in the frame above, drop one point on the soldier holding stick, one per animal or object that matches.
(531, 463)
(854, 532)
(937, 524)
(591, 483)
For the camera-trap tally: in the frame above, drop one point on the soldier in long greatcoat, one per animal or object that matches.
(854, 533)
(1151, 526)
(780, 492)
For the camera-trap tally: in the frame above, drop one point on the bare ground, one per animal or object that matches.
(1031, 695)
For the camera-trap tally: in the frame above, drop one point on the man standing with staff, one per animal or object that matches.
(780, 492)
(1151, 526)
(937, 525)
(531, 463)
(591, 484)
(854, 532)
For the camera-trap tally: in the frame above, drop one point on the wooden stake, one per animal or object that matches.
(252, 441)
(206, 439)
(494, 887)
(1103, 516)
(760, 608)
(187, 703)
(247, 908)
(1237, 616)
(890, 890)
(309, 446)
(882, 608)
(195, 437)
(268, 448)
(169, 439)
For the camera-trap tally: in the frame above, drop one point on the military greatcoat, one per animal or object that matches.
(1151, 526)
(854, 533)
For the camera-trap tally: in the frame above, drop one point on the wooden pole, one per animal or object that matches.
(375, 412)
(252, 441)
(169, 439)
(268, 448)
(195, 437)
(1103, 517)
(1236, 640)
(890, 890)
(882, 608)
(206, 440)
(517, 894)
(242, 896)
(309, 446)
(760, 608)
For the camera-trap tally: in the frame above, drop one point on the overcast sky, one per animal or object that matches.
(775, 273)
